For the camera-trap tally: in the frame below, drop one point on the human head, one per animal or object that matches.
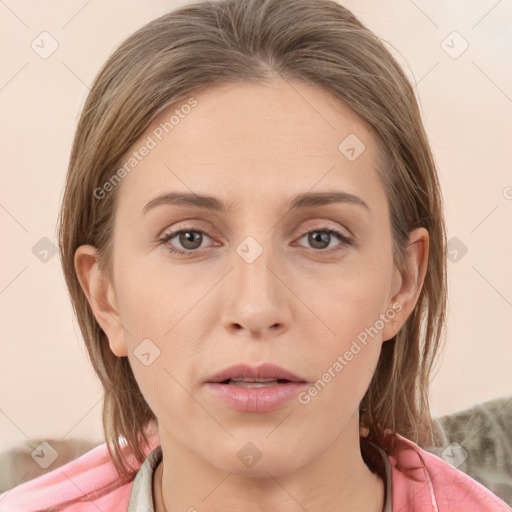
(318, 43)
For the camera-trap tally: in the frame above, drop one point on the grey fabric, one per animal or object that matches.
(141, 496)
(478, 441)
(387, 483)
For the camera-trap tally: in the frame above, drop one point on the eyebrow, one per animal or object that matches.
(305, 200)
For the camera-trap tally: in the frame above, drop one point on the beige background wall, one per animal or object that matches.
(47, 389)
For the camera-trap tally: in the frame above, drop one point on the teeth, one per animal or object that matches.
(253, 380)
(263, 384)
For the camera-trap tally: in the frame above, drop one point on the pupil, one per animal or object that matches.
(321, 238)
(188, 237)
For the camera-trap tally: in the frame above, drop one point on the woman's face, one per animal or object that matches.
(260, 279)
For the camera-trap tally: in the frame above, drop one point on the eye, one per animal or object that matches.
(190, 239)
(321, 238)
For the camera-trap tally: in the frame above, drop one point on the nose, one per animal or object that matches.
(258, 299)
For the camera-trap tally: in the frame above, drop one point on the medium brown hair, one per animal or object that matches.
(317, 42)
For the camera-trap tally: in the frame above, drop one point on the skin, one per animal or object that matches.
(296, 305)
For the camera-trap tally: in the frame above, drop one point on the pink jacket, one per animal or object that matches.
(439, 487)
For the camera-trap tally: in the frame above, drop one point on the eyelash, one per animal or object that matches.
(165, 239)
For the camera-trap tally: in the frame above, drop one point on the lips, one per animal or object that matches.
(254, 389)
(266, 374)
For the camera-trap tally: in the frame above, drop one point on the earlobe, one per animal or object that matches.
(100, 294)
(410, 282)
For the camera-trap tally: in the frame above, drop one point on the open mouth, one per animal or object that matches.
(251, 394)
(254, 383)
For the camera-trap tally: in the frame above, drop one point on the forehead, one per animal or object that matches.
(252, 141)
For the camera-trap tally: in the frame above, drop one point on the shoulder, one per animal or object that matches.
(91, 479)
(422, 481)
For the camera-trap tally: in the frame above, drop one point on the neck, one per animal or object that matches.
(338, 480)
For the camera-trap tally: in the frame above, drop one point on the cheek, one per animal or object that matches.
(163, 316)
(155, 298)
(347, 346)
(350, 301)
(345, 359)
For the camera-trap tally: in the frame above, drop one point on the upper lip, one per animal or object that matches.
(263, 371)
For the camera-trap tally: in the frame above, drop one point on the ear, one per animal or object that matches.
(407, 284)
(100, 294)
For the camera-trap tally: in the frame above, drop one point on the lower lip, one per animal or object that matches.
(263, 399)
